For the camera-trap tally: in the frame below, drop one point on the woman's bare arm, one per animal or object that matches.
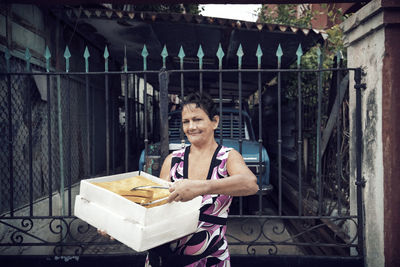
(164, 173)
(240, 182)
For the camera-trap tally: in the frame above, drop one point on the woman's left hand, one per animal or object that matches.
(185, 190)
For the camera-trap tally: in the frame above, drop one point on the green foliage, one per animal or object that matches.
(286, 15)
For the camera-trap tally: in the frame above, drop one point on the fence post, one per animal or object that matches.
(163, 80)
(360, 182)
(10, 133)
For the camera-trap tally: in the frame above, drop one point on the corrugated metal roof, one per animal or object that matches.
(189, 18)
(132, 30)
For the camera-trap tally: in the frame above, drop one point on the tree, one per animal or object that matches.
(286, 14)
(302, 16)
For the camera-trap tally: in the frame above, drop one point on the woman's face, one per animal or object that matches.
(197, 125)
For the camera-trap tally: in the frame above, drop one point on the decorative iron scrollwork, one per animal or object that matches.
(274, 233)
(254, 235)
(67, 235)
(17, 237)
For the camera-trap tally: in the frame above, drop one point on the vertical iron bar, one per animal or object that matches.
(240, 112)
(113, 114)
(146, 140)
(201, 81)
(338, 141)
(359, 182)
(163, 98)
(28, 92)
(60, 143)
(89, 161)
(220, 107)
(10, 145)
(49, 145)
(126, 124)
(260, 140)
(107, 100)
(299, 140)
(182, 97)
(279, 142)
(133, 111)
(93, 136)
(220, 55)
(240, 126)
(318, 163)
(231, 121)
(154, 115)
(69, 145)
(137, 107)
(200, 55)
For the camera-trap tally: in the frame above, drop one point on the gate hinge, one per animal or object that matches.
(360, 86)
(362, 182)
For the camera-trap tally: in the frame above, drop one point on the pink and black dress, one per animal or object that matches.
(208, 245)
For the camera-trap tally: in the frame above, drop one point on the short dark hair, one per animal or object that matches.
(203, 101)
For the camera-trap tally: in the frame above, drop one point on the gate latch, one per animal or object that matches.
(362, 182)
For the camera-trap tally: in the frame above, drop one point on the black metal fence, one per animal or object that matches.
(60, 127)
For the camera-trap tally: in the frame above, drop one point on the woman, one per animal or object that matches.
(206, 169)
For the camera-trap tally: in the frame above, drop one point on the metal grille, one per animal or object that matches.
(28, 119)
(306, 194)
(30, 134)
(4, 141)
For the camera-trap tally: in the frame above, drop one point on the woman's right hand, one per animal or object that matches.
(186, 189)
(104, 234)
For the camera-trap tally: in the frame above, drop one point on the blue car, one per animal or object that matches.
(230, 138)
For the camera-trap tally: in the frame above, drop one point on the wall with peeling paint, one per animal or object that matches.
(367, 47)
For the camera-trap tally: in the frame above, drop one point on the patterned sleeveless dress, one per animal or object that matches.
(208, 245)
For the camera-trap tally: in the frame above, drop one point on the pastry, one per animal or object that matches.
(140, 196)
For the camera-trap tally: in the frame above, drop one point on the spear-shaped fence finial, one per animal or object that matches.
(259, 54)
(47, 56)
(67, 55)
(181, 55)
(145, 53)
(240, 54)
(299, 53)
(200, 55)
(28, 57)
(86, 55)
(279, 55)
(106, 55)
(220, 55)
(164, 55)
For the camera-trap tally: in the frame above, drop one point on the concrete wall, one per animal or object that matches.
(368, 44)
(367, 53)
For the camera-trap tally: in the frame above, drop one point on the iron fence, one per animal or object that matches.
(76, 128)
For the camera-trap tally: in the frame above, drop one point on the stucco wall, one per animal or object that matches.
(365, 41)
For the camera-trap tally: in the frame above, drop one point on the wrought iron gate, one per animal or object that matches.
(52, 136)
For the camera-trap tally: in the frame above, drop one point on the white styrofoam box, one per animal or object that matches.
(127, 208)
(132, 224)
(133, 234)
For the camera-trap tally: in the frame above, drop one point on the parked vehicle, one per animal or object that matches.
(230, 138)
